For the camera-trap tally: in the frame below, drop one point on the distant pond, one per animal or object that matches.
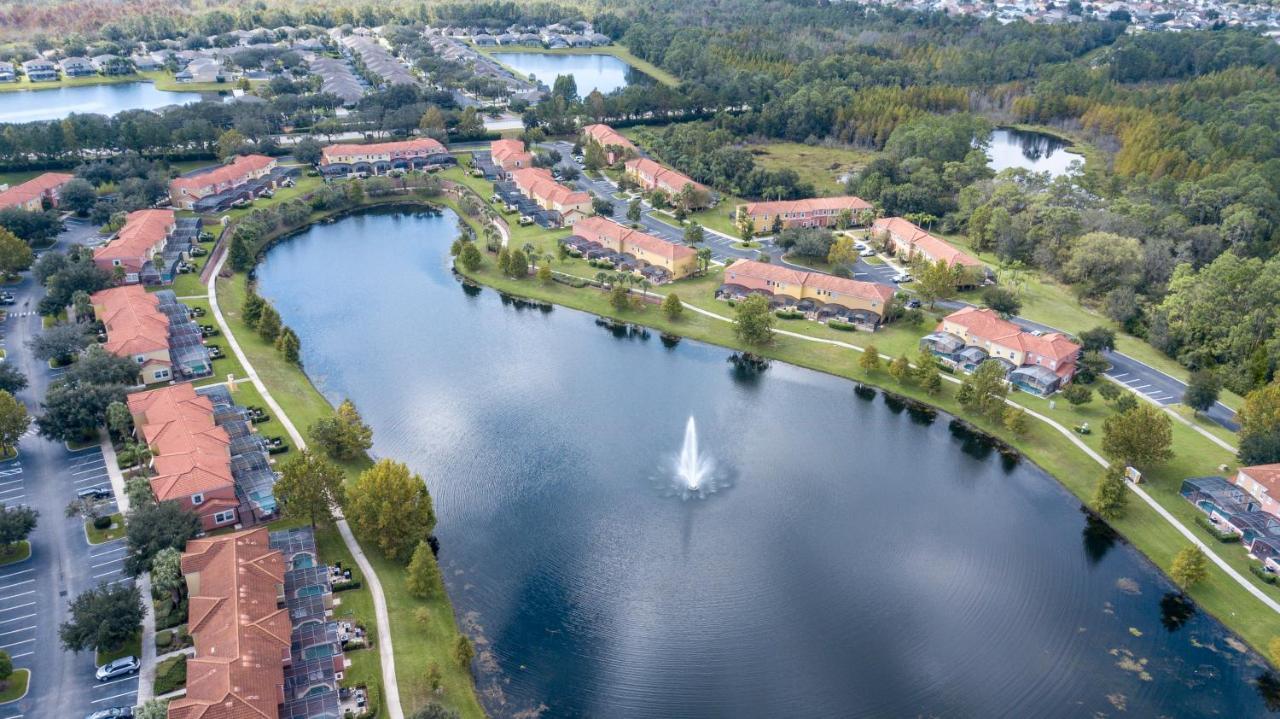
(605, 73)
(105, 99)
(1033, 151)
(861, 557)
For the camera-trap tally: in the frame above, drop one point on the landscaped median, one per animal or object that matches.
(1047, 446)
(16, 552)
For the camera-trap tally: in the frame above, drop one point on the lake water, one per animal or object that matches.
(55, 104)
(1031, 151)
(605, 73)
(859, 560)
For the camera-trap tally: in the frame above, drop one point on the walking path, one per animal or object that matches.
(390, 686)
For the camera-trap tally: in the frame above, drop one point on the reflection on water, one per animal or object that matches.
(864, 564)
(605, 73)
(1030, 151)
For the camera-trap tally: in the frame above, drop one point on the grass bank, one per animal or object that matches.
(24, 84)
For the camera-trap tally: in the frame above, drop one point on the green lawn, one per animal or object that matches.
(820, 165)
(18, 552)
(617, 51)
(131, 648)
(17, 178)
(24, 84)
(15, 687)
(98, 536)
(171, 675)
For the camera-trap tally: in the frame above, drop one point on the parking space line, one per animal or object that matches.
(131, 677)
(19, 656)
(15, 596)
(106, 574)
(109, 561)
(118, 548)
(12, 481)
(1122, 374)
(116, 696)
(20, 606)
(15, 644)
(19, 631)
(95, 478)
(17, 619)
(14, 574)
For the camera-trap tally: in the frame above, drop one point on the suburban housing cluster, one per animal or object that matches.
(35, 194)
(531, 191)
(632, 250)
(614, 146)
(148, 247)
(651, 176)
(909, 242)
(813, 212)
(155, 329)
(240, 181)
(267, 644)
(821, 296)
(384, 157)
(1035, 362)
(1247, 505)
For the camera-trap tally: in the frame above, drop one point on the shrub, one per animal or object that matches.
(842, 326)
(171, 674)
(344, 586)
(789, 315)
(101, 522)
(164, 639)
(1261, 573)
(1221, 535)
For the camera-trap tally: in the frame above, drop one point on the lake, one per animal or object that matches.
(108, 99)
(859, 558)
(605, 73)
(1031, 151)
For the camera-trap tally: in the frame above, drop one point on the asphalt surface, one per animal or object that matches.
(34, 594)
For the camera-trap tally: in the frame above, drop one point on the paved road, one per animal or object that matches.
(34, 595)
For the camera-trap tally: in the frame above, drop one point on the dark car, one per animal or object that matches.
(94, 493)
(913, 304)
(112, 713)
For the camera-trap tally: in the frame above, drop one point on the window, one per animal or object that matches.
(116, 262)
(197, 498)
(162, 374)
(224, 517)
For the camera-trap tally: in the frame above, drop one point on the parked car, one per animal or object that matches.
(1037, 333)
(903, 278)
(860, 246)
(867, 253)
(99, 492)
(123, 666)
(112, 713)
(7, 298)
(913, 304)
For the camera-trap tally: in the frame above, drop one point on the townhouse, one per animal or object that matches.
(1040, 363)
(651, 176)
(1262, 482)
(536, 184)
(510, 155)
(615, 147)
(7, 72)
(77, 67)
(383, 157)
(33, 194)
(243, 178)
(655, 258)
(814, 212)
(138, 245)
(909, 242)
(818, 295)
(155, 330)
(40, 70)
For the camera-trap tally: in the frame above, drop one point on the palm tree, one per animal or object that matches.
(644, 287)
(601, 277)
(704, 258)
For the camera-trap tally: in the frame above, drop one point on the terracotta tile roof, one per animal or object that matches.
(916, 238)
(596, 228)
(766, 271)
(192, 453)
(606, 136)
(422, 145)
(986, 325)
(660, 174)
(134, 325)
(810, 280)
(33, 188)
(143, 230)
(1268, 475)
(504, 151)
(811, 205)
(537, 183)
(237, 172)
(241, 637)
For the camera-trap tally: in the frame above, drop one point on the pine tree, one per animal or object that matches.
(672, 307)
(1190, 567)
(1110, 496)
(463, 652)
(287, 344)
(424, 579)
(269, 323)
(900, 369)
(252, 310)
(870, 359)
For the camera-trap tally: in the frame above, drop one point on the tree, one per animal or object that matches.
(754, 321)
(937, 281)
(240, 251)
(672, 307)
(251, 312)
(103, 618)
(151, 528)
(1141, 437)
(1098, 339)
(842, 251)
(463, 651)
(1110, 495)
(747, 229)
(1102, 261)
(119, 421)
(704, 258)
(1077, 394)
(60, 343)
(544, 274)
(269, 324)
(392, 506)
(433, 710)
(1260, 448)
(15, 255)
(6, 667)
(1002, 300)
(138, 490)
(11, 378)
(1202, 390)
(987, 390)
(435, 678)
(693, 234)
(153, 709)
(619, 297)
(470, 257)
(230, 144)
(518, 264)
(74, 410)
(870, 359)
(344, 435)
(633, 210)
(16, 524)
(78, 196)
(86, 508)
(14, 422)
(900, 369)
(98, 367)
(166, 575)
(309, 487)
(1190, 567)
(288, 345)
(308, 151)
(424, 579)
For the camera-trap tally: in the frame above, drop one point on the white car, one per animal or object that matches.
(867, 253)
(902, 278)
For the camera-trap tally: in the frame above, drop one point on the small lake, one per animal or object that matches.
(107, 99)
(1032, 151)
(605, 73)
(859, 559)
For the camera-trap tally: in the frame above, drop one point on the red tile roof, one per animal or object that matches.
(33, 188)
(917, 239)
(660, 174)
(237, 172)
(192, 453)
(766, 271)
(509, 150)
(143, 230)
(811, 205)
(134, 325)
(606, 136)
(811, 280)
(1268, 475)
(597, 227)
(419, 146)
(241, 636)
(537, 183)
(986, 325)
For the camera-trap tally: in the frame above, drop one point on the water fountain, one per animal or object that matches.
(695, 472)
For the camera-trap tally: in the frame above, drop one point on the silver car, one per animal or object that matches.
(118, 668)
